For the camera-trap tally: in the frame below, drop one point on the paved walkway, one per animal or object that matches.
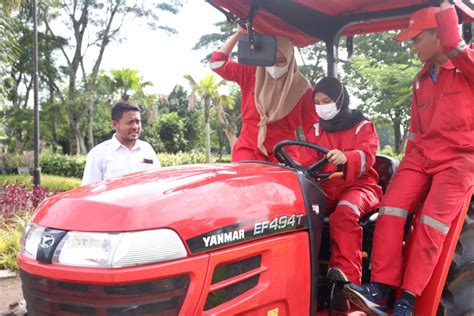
(10, 294)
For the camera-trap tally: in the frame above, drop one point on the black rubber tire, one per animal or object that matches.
(458, 295)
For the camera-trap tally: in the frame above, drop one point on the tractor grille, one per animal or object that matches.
(51, 297)
(227, 271)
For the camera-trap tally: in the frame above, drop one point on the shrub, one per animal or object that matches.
(16, 160)
(184, 158)
(10, 239)
(388, 150)
(63, 165)
(18, 199)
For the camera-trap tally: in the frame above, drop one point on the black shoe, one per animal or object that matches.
(339, 279)
(369, 298)
(403, 308)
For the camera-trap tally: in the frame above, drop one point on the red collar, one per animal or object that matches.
(427, 66)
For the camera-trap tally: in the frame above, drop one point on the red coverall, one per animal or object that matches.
(350, 197)
(285, 129)
(438, 167)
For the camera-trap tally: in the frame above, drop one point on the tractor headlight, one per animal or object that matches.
(31, 240)
(118, 250)
(107, 250)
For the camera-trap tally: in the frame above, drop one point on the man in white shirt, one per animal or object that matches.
(122, 154)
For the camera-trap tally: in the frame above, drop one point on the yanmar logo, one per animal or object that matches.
(223, 238)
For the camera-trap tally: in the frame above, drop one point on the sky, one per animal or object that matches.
(164, 59)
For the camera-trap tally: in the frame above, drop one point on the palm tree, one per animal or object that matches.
(228, 124)
(126, 80)
(206, 90)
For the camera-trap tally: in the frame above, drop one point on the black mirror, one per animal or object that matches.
(258, 51)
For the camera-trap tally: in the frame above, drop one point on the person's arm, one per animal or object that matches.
(308, 112)
(413, 130)
(362, 157)
(461, 55)
(232, 41)
(156, 162)
(222, 64)
(92, 170)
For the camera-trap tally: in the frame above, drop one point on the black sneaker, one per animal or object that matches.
(339, 302)
(402, 308)
(369, 298)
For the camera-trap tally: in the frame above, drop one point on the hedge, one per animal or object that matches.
(62, 165)
(73, 166)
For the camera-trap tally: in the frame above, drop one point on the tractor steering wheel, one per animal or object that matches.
(282, 156)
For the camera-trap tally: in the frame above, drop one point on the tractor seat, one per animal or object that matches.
(385, 167)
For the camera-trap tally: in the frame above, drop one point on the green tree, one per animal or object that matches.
(381, 73)
(9, 48)
(177, 101)
(19, 85)
(105, 20)
(226, 123)
(207, 92)
(170, 128)
(122, 82)
(215, 40)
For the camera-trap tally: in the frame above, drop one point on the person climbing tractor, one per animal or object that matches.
(273, 99)
(437, 173)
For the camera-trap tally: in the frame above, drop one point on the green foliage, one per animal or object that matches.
(389, 151)
(381, 74)
(16, 160)
(10, 239)
(170, 130)
(314, 62)
(183, 158)
(52, 183)
(215, 40)
(63, 165)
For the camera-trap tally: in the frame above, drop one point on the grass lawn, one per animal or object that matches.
(52, 183)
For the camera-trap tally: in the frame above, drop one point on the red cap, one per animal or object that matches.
(420, 20)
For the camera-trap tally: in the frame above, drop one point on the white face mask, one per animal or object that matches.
(276, 72)
(327, 111)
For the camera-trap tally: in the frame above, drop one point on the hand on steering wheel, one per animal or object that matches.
(282, 156)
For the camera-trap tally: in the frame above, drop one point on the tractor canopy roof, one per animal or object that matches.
(308, 21)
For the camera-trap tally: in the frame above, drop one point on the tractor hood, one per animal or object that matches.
(192, 200)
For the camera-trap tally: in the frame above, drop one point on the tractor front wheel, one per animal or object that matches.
(458, 295)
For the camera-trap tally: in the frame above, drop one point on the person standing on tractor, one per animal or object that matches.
(437, 173)
(353, 144)
(273, 99)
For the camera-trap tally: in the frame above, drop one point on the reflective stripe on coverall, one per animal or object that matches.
(351, 197)
(436, 174)
(285, 129)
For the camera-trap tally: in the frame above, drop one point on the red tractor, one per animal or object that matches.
(248, 238)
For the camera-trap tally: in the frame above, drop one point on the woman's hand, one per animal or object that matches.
(336, 156)
(242, 31)
(446, 4)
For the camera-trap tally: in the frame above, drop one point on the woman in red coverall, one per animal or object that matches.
(273, 99)
(352, 142)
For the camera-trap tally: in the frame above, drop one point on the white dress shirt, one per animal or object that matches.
(111, 159)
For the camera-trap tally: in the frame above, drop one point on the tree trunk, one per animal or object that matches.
(397, 135)
(207, 129)
(90, 121)
(227, 128)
